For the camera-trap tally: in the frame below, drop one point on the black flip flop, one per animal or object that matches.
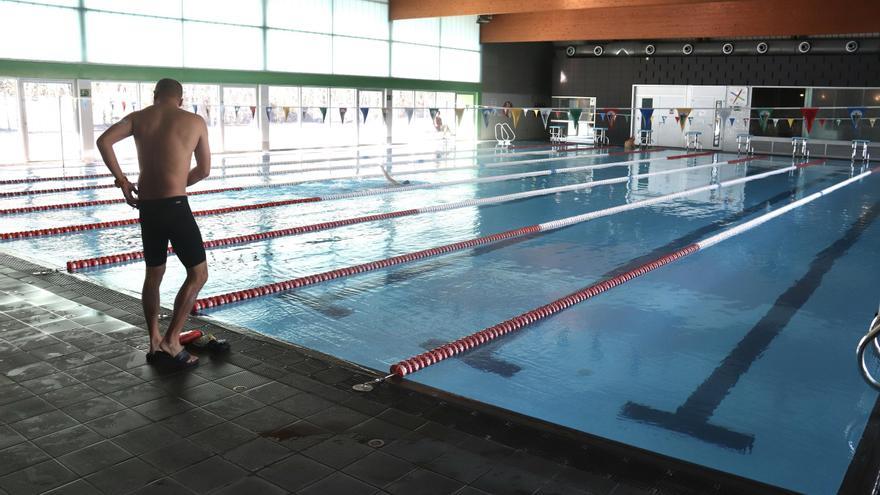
(209, 343)
(178, 362)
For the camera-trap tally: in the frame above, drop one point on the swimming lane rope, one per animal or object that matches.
(113, 259)
(263, 290)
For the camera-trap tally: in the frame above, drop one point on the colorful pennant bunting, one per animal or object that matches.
(809, 115)
(253, 111)
(856, 114)
(647, 115)
(764, 116)
(342, 112)
(872, 121)
(365, 111)
(732, 121)
(459, 113)
(323, 113)
(574, 114)
(515, 115)
(409, 114)
(486, 112)
(545, 116)
(790, 122)
(682, 116)
(433, 112)
(663, 119)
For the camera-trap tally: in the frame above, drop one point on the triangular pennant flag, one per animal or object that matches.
(505, 110)
(537, 112)
(809, 115)
(286, 113)
(364, 112)
(872, 120)
(515, 115)
(486, 112)
(775, 122)
(822, 122)
(746, 121)
(323, 113)
(837, 122)
(611, 116)
(208, 111)
(269, 113)
(855, 114)
(575, 115)
(195, 109)
(690, 120)
(433, 112)
(409, 114)
(732, 120)
(384, 115)
(682, 116)
(647, 113)
(342, 112)
(790, 122)
(663, 119)
(253, 112)
(123, 105)
(764, 115)
(545, 116)
(601, 115)
(459, 113)
(725, 113)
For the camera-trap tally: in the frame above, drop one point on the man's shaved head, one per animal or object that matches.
(168, 88)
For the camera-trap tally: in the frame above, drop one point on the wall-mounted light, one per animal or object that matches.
(562, 78)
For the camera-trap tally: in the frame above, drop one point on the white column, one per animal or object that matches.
(389, 117)
(263, 105)
(83, 90)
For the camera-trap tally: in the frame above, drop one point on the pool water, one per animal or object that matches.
(739, 358)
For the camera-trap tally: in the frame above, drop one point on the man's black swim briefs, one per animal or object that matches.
(170, 219)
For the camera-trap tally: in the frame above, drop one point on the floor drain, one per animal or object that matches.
(239, 388)
(376, 443)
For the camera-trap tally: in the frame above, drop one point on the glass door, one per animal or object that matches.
(241, 124)
(52, 132)
(11, 143)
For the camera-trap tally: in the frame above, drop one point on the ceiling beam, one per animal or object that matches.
(414, 9)
(707, 20)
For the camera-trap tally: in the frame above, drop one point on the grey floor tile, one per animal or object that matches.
(9, 437)
(49, 383)
(300, 435)
(118, 423)
(93, 408)
(37, 478)
(223, 437)
(176, 456)
(212, 369)
(29, 370)
(43, 424)
(257, 454)
(243, 380)
(460, 464)
(265, 420)
(13, 392)
(132, 359)
(163, 407)
(137, 395)
(251, 484)
(338, 484)
(416, 448)
(379, 469)
(20, 456)
(68, 440)
(338, 451)
(206, 393)
(210, 474)
(92, 371)
(505, 480)
(378, 429)
(54, 351)
(76, 487)
(337, 418)
(94, 458)
(191, 422)
(424, 482)
(164, 486)
(70, 395)
(146, 439)
(271, 392)
(72, 360)
(113, 382)
(125, 477)
(233, 406)
(303, 405)
(295, 472)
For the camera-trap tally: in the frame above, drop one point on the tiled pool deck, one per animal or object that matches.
(82, 412)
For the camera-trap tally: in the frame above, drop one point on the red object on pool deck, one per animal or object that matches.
(189, 336)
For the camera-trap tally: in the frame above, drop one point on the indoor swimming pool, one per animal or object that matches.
(738, 357)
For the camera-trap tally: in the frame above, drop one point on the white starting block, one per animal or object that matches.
(861, 145)
(744, 144)
(692, 140)
(799, 147)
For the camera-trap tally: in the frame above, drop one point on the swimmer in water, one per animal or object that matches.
(391, 179)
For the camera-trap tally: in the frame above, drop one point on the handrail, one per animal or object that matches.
(871, 336)
(504, 134)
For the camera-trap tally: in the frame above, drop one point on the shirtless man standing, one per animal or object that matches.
(166, 138)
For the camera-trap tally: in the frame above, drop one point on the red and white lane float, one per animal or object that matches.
(359, 164)
(99, 202)
(464, 344)
(272, 204)
(103, 261)
(264, 290)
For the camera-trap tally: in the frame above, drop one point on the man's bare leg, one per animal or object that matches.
(150, 301)
(183, 303)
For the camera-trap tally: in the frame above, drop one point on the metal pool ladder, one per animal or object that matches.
(870, 337)
(504, 134)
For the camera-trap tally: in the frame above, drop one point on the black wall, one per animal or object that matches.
(610, 79)
(518, 73)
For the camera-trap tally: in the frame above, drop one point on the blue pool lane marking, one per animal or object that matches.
(692, 417)
(482, 359)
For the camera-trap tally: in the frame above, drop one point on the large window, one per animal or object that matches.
(347, 37)
(11, 144)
